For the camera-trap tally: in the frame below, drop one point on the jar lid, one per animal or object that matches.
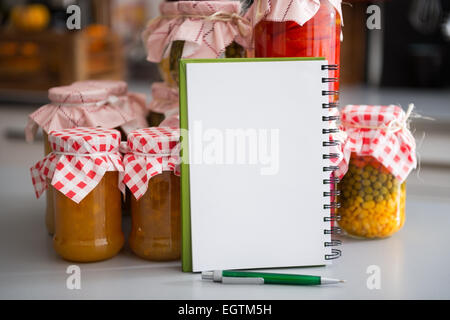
(368, 117)
(77, 94)
(116, 88)
(206, 27)
(299, 11)
(381, 132)
(79, 160)
(85, 140)
(150, 152)
(164, 98)
(154, 140)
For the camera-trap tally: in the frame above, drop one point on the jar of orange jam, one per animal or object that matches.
(156, 225)
(379, 153)
(92, 229)
(83, 169)
(152, 177)
(91, 103)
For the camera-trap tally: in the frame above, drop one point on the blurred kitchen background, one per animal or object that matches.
(407, 60)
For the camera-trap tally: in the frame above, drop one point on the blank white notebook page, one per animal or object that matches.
(256, 165)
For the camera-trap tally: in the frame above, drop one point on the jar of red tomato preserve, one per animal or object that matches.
(298, 28)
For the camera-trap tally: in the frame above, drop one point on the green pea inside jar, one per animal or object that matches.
(372, 199)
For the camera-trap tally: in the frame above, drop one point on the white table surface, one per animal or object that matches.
(414, 263)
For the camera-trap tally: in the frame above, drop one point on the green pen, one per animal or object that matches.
(243, 277)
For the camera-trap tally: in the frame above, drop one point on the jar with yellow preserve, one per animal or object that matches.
(379, 153)
(99, 103)
(151, 174)
(83, 168)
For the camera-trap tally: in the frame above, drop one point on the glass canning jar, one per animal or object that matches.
(151, 175)
(92, 229)
(318, 37)
(156, 225)
(83, 168)
(372, 199)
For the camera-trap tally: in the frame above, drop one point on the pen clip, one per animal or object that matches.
(242, 280)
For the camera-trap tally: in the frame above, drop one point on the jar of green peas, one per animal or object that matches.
(379, 153)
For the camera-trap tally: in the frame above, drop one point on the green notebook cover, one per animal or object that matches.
(186, 255)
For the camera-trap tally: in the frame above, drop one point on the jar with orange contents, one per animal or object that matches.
(151, 174)
(83, 169)
(99, 103)
(380, 152)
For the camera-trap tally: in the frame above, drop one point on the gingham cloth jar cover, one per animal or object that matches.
(149, 152)
(381, 132)
(92, 103)
(207, 27)
(172, 119)
(79, 159)
(164, 98)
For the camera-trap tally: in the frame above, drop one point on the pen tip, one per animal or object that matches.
(342, 281)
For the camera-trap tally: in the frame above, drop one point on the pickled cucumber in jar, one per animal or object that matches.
(234, 50)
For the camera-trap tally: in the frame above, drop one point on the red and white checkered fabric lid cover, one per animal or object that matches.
(150, 151)
(381, 132)
(79, 160)
(90, 103)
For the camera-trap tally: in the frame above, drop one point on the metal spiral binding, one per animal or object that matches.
(330, 92)
(330, 118)
(329, 105)
(333, 217)
(335, 253)
(330, 67)
(328, 131)
(330, 156)
(332, 230)
(333, 243)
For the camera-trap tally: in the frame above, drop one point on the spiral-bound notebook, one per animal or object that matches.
(255, 190)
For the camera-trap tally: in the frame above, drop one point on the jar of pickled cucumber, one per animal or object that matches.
(196, 29)
(379, 153)
(233, 50)
(83, 169)
(201, 29)
(152, 177)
